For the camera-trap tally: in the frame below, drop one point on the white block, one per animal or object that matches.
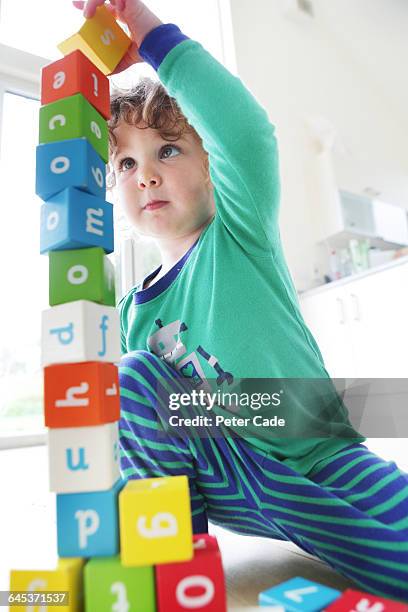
(83, 458)
(80, 331)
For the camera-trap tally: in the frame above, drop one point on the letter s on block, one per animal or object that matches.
(157, 530)
(107, 37)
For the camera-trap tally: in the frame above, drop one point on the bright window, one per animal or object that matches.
(35, 29)
(24, 271)
(38, 27)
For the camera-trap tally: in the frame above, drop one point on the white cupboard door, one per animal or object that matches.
(327, 316)
(378, 306)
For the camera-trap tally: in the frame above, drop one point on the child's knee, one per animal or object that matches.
(135, 359)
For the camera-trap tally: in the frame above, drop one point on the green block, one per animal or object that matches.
(107, 583)
(74, 117)
(81, 274)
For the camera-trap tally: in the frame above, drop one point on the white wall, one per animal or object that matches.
(299, 70)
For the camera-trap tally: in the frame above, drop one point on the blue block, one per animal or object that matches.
(299, 594)
(73, 219)
(88, 523)
(69, 163)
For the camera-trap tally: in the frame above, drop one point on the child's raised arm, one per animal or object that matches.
(234, 127)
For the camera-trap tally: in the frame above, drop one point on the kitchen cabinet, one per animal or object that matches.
(361, 324)
(351, 215)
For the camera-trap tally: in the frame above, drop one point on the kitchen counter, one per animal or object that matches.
(399, 261)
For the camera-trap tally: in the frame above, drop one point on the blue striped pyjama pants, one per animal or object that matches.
(350, 510)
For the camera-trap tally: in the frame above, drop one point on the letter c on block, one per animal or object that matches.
(61, 119)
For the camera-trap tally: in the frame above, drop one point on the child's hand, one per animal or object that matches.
(139, 19)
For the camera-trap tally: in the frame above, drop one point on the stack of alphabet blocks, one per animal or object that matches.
(111, 533)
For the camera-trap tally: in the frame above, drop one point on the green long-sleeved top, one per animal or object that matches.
(228, 309)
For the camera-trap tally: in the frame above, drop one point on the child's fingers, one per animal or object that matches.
(79, 4)
(91, 6)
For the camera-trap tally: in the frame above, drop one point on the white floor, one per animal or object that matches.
(28, 538)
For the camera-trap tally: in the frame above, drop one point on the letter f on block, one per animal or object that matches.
(103, 327)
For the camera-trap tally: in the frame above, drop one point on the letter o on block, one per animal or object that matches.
(52, 221)
(59, 165)
(196, 601)
(77, 275)
(198, 584)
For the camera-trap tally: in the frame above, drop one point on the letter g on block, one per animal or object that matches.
(157, 530)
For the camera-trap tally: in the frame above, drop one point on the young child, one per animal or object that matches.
(196, 167)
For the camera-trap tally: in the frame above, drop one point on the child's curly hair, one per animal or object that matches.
(149, 103)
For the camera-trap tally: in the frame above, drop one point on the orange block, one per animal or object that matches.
(73, 74)
(81, 394)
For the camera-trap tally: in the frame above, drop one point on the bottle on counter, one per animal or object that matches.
(335, 273)
(359, 254)
(346, 266)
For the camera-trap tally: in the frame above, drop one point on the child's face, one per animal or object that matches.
(147, 167)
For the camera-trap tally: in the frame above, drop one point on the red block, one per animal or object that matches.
(198, 584)
(358, 601)
(81, 394)
(72, 74)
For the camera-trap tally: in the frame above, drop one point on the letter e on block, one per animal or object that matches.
(73, 74)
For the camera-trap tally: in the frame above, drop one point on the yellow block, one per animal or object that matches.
(68, 576)
(101, 39)
(155, 521)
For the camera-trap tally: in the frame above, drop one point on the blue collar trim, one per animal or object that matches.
(145, 295)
